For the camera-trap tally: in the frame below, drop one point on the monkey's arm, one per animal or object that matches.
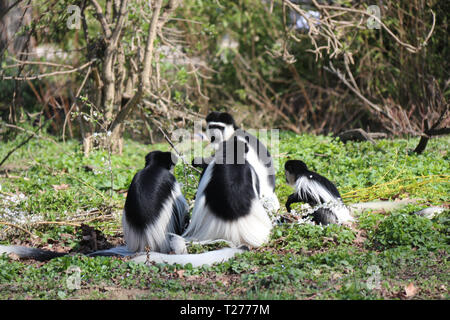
(293, 198)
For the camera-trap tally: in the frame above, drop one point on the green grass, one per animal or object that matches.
(299, 262)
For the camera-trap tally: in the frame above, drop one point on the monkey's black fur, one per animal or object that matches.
(322, 215)
(149, 190)
(222, 117)
(230, 191)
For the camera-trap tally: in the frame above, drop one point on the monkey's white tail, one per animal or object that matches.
(181, 257)
(380, 205)
(196, 260)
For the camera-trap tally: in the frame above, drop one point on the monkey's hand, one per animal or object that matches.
(288, 208)
(293, 198)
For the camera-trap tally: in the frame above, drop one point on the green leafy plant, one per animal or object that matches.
(402, 229)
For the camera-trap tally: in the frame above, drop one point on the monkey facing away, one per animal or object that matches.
(155, 206)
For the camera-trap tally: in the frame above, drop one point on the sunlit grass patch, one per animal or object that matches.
(50, 190)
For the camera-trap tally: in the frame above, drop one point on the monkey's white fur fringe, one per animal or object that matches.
(219, 135)
(156, 236)
(252, 229)
(267, 195)
(266, 192)
(307, 187)
(177, 244)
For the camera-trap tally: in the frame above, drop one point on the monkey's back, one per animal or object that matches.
(148, 191)
(231, 190)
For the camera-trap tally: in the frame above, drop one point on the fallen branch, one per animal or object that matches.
(429, 132)
(63, 223)
(360, 135)
(18, 227)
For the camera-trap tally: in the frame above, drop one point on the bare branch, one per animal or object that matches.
(4, 13)
(148, 55)
(74, 103)
(102, 19)
(43, 63)
(51, 74)
(355, 90)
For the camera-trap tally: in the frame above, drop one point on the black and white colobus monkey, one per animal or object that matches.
(155, 206)
(154, 209)
(221, 127)
(314, 189)
(227, 204)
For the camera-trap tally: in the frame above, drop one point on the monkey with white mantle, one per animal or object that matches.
(222, 127)
(317, 191)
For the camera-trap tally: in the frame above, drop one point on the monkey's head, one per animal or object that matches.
(294, 169)
(167, 160)
(220, 126)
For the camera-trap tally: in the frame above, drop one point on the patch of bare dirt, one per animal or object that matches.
(93, 240)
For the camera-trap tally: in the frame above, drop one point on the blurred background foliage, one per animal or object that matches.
(250, 57)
